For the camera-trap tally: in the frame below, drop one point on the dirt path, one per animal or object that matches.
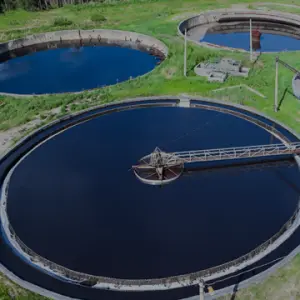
(8, 137)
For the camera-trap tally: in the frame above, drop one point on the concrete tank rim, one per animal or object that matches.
(128, 101)
(164, 49)
(270, 13)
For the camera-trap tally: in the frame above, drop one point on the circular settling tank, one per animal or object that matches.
(240, 29)
(71, 67)
(75, 200)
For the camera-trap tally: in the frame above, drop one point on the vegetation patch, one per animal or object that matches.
(61, 21)
(97, 18)
(282, 285)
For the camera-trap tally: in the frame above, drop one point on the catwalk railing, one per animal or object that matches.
(166, 159)
(237, 152)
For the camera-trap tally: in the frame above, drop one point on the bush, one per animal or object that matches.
(14, 22)
(62, 22)
(98, 18)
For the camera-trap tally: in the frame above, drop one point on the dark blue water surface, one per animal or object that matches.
(74, 201)
(268, 42)
(72, 69)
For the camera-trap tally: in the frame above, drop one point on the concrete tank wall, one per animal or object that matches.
(119, 37)
(285, 23)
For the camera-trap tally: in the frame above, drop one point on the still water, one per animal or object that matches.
(72, 69)
(268, 42)
(74, 200)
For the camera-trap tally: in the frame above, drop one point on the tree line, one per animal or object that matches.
(33, 5)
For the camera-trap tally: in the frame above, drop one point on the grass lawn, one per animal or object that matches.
(284, 284)
(9, 291)
(160, 19)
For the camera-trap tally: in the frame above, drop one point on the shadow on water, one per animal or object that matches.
(291, 184)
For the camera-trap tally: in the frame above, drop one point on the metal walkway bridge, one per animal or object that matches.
(161, 167)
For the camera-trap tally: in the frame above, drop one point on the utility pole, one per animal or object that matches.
(201, 290)
(276, 85)
(250, 39)
(184, 70)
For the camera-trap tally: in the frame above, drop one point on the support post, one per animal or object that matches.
(184, 70)
(251, 40)
(276, 86)
(201, 290)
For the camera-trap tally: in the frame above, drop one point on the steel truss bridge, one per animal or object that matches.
(161, 167)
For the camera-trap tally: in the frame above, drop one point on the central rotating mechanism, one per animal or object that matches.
(160, 167)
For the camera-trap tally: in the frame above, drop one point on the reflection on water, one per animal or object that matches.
(12, 70)
(73, 69)
(241, 40)
(74, 56)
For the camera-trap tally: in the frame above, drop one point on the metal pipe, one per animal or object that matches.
(250, 39)
(201, 290)
(184, 70)
(276, 86)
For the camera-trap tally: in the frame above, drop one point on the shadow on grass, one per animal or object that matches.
(235, 289)
(286, 91)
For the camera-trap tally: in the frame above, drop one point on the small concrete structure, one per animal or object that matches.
(296, 85)
(219, 69)
(184, 102)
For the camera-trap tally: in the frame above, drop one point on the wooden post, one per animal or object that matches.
(201, 290)
(276, 86)
(184, 70)
(250, 39)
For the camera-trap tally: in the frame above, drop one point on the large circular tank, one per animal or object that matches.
(81, 210)
(87, 58)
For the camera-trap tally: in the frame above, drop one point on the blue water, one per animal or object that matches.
(81, 206)
(269, 42)
(72, 69)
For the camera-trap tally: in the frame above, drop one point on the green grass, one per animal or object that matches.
(9, 291)
(62, 21)
(160, 19)
(294, 10)
(282, 285)
(97, 17)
